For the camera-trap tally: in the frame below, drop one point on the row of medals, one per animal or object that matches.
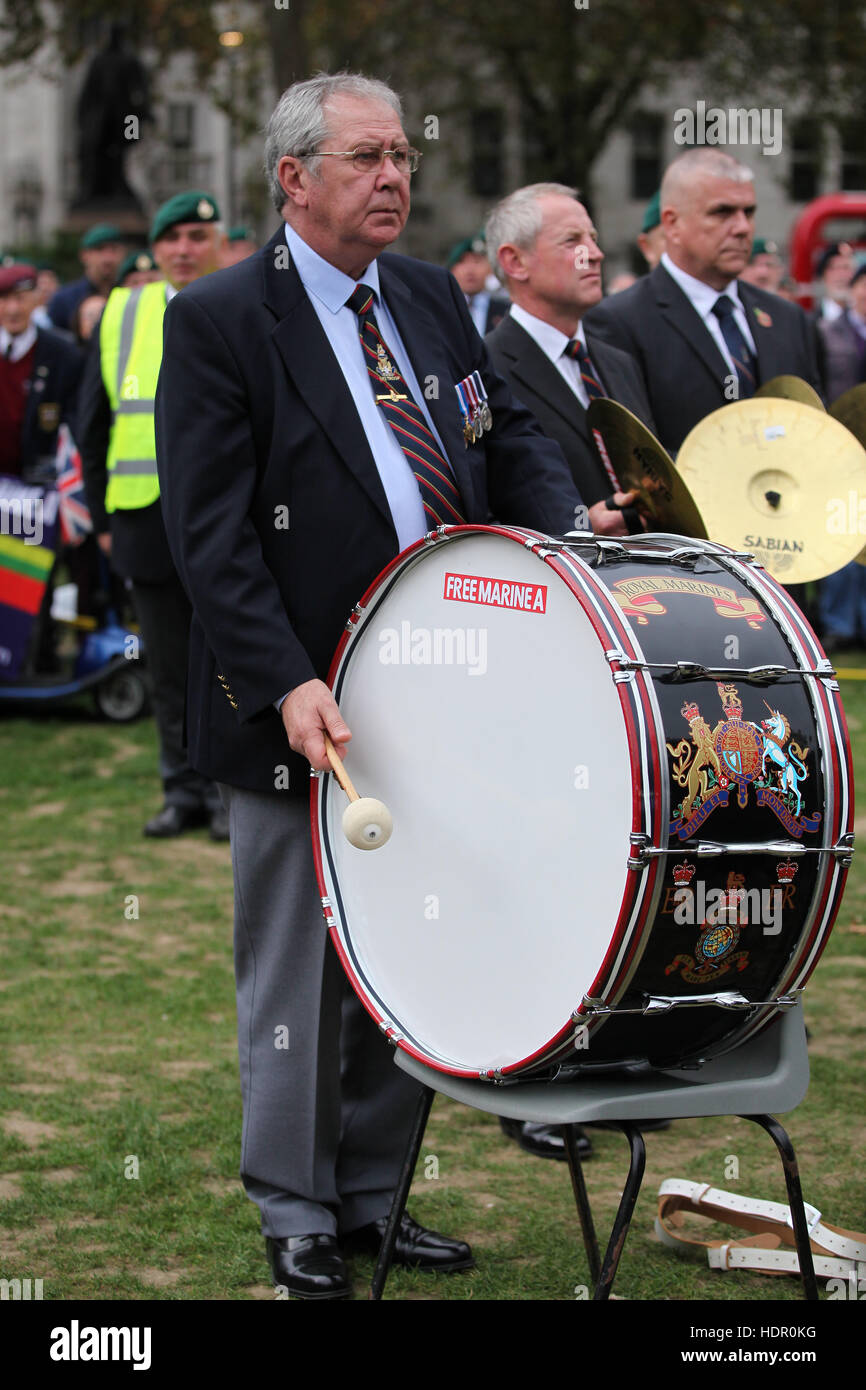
(473, 426)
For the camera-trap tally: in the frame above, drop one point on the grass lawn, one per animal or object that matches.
(119, 1097)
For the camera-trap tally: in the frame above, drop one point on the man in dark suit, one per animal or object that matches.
(842, 596)
(101, 253)
(700, 336)
(287, 485)
(845, 342)
(544, 247)
(468, 263)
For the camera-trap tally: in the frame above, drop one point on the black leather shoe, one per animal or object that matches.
(416, 1248)
(308, 1266)
(219, 824)
(174, 820)
(545, 1141)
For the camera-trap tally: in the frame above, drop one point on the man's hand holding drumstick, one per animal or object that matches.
(308, 713)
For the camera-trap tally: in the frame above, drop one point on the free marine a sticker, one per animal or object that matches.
(495, 593)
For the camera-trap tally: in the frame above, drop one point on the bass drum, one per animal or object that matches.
(620, 781)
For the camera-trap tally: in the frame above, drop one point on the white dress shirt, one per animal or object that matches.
(20, 344)
(328, 289)
(553, 344)
(830, 310)
(702, 298)
(478, 305)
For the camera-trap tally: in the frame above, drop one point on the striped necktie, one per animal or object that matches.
(588, 375)
(443, 505)
(744, 360)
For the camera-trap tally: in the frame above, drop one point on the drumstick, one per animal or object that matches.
(339, 770)
(367, 823)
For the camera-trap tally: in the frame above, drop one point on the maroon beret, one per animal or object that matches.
(18, 276)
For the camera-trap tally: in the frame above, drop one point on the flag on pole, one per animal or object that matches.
(75, 522)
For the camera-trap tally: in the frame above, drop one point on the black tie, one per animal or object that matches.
(737, 346)
(443, 504)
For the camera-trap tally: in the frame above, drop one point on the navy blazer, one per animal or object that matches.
(538, 384)
(683, 370)
(256, 428)
(51, 401)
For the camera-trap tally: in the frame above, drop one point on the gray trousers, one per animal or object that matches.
(326, 1113)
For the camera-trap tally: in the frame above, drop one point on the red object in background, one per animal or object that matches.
(808, 237)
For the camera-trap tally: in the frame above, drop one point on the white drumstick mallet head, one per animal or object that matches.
(367, 823)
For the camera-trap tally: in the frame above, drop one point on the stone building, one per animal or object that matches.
(190, 143)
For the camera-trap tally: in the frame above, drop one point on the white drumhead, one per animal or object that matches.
(496, 738)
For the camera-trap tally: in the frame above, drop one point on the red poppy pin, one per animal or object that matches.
(763, 318)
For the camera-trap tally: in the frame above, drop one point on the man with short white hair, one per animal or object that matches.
(702, 337)
(543, 246)
(320, 375)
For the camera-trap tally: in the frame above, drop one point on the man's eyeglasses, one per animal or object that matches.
(367, 159)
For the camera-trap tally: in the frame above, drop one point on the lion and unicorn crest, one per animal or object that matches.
(738, 754)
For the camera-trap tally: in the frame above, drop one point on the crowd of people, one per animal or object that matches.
(204, 403)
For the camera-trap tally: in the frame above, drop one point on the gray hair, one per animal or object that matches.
(679, 176)
(299, 123)
(517, 220)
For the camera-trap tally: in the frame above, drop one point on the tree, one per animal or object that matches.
(574, 70)
(577, 72)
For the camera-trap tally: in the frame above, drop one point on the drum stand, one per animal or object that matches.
(770, 1072)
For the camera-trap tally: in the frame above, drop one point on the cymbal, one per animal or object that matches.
(777, 478)
(850, 410)
(791, 388)
(642, 465)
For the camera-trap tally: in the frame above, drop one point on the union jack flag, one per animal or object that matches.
(75, 522)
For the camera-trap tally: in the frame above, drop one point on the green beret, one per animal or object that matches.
(240, 234)
(653, 215)
(136, 260)
(476, 244)
(762, 247)
(194, 206)
(100, 235)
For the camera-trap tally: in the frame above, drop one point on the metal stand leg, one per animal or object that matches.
(795, 1201)
(581, 1197)
(624, 1214)
(401, 1193)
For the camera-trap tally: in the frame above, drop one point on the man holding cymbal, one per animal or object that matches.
(700, 336)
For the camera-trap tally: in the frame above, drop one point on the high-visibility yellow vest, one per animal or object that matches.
(130, 345)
